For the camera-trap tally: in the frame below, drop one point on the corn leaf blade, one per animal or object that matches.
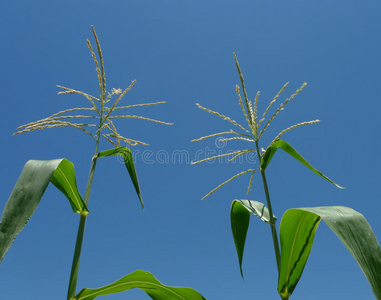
(64, 179)
(270, 151)
(129, 162)
(144, 281)
(28, 191)
(240, 218)
(297, 232)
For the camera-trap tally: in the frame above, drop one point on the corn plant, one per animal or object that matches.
(298, 225)
(99, 124)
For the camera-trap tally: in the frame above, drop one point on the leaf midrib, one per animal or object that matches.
(134, 282)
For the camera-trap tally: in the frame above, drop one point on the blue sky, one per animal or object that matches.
(182, 52)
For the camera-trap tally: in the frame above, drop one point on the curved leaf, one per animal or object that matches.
(144, 281)
(270, 151)
(297, 232)
(258, 209)
(28, 191)
(240, 217)
(64, 179)
(128, 160)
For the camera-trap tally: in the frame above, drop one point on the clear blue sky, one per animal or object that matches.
(182, 52)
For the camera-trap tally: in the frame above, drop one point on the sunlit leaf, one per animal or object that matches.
(64, 179)
(240, 218)
(270, 151)
(297, 231)
(144, 281)
(28, 191)
(129, 162)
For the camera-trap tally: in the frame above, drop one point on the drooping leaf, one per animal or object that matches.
(144, 281)
(28, 191)
(129, 162)
(240, 218)
(64, 179)
(270, 151)
(258, 209)
(297, 232)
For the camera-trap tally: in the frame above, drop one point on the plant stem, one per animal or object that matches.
(81, 230)
(76, 258)
(272, 220)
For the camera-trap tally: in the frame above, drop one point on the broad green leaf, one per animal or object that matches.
(270, 151)
(28, 191)
(297, 231)
(128, 160)
(240, 217)
(144, 281)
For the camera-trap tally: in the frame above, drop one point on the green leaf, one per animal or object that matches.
(258, 209)
(240, 218)
(28, 191)
(297, 231)
(64, 179)
(144, 281)
(270, 151)
(128, 160)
